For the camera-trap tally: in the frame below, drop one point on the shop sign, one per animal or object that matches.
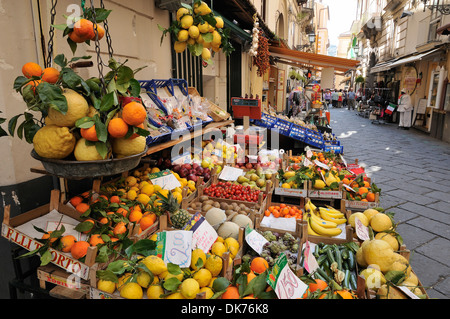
(355, 204)
(409, 79)
(291, 192)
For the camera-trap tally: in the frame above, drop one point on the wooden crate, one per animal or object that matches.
(325, 194)
(63, 260)
(359, 205)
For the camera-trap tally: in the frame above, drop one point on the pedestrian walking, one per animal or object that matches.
(344, 98)
(405, 109)
(334, 98)
(340, 98)
(327, 97)
(351, 99)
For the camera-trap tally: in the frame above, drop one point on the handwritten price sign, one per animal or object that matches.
(176, 247)
(255, 240)
(361, 231)
(284, 282)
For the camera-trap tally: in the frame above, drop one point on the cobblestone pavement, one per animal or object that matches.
(413, 172)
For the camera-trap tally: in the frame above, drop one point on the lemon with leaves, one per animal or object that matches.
(189, 288)
(183, 35)
(179, 46)
(77, 108)
(187, 21)
(55, 142)
(131, 290)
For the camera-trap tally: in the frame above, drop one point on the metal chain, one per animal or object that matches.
(107, 34)
(49, 61)
(97, 49)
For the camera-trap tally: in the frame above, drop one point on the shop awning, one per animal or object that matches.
(235, 28)
(288, 56)
(384, 66)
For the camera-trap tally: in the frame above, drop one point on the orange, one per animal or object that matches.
(120, 228)
(74, 201)
(318, 285)
(135, 216)
(104, 220)
(34, 84)
(76, 38)
(122, 211)
(259, 265)
(370, 197)
(346, 181)
(86, 194)
(50, 75)
(250, 276)
(134, 113)
(47, 236)
(249, 297)
(67, 242)
(96, 239)
(100, 30)
(117, 128)
(89, 134)
(345, 294)
(115, 199)
(84, 29)
(366, 184)
(79, 249)
(231, 292)
(31, 69)
(82, 207)
(362, 190)
(146, 222)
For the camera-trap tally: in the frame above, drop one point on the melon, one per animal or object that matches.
(215, 217)
(242, 221)
(228, 229)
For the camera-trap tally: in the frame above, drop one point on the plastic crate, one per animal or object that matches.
(153, 140)
(268, 120)
(316, 142)
(283, 126)
(298, 132)
(337, 149)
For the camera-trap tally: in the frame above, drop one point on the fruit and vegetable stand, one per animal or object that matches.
(217, 222)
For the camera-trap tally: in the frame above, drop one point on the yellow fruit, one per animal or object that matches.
(194, 32)
(77, 108)
(220, 239)
(217, 39)
(319, 184)
(381, 222)
(189, 288)
(83, 152)
(130, 181)
(203, 277)
(186, 21)
(203, 27)
(218, 249)
(131, 194)
(400, 263)
(155, 264)
(232, 246)
(219, 22)
(178, 196)
(214, 264)
(206, 54)
(155, 292)
(148, 190)
(175, 295)
(92, 111)
(411, 280)
(143, 199)
(183, 35)
(127, 147)
(122, 281)
(285, 185)
(167, 275)
(208, 292)
(385, 292)
(362, 218)
(55, 142)
(360, 258)
(155, 170)
(191, 185)
(143, 279)
(197, 254)
(106, 286)
(378, 253)
(202, 9)
(131, 290)
(374, 278)
(179, 46)
(388, 238)
(200, 39)
(370, 213)
(181, 12)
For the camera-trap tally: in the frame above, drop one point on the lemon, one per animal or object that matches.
(175, 295)
(167, 275)
(131, 194)
(202, 8)
(187, 21)
(194, 32)
(123, 280)
(155, 264)
(362, 218)
(388, 238)
(374, 278)
(125, 147)
(195, 256)
(219, 22)
(218, 249)
(77, 108)
(143, 199)
(148, 190)
(106, 286)
(285, 185)
(164, 192)
(55, 142)
(220, 239)
(191, 185)
(216, 48)
(319, 184)
(189, 288)
(48, 121)
(130, 181)
(203, 277)
(200, 39)
(131, 290)
(232, 245)
(400, 263)
(203, 27)
(182, 36)
(155, 292)
(206, 54)
(208, 292)
(83, 152)
(217, 39)
(143, 279)
(378, 253)
(155, 170)
(181, 12)
(370, 213)
(214, 264)
(381, 222)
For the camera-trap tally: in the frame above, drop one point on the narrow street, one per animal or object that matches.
(413, 172)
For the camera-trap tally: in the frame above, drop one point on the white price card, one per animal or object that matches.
(204, 235)
(307, 162)
(343, 160)
(255, 240)
(175, 247)
(165, 179)
(310, 261)
(309, 153)
(322, 165)
(283, 280)
(361, 231)
(230, 173)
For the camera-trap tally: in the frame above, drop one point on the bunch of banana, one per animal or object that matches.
(323, 224)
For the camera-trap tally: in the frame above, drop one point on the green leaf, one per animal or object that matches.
(85, 122)
(107, 275)
(12, 124)
(174, 269)
(46, 258)
(52, 96)
(144, 247)
(60, 60)
(118, 267)
(208, 37)
(30, 129)
(70, 78)
(84, 227)
(102, 149)
(72, 45)
(135, 88)
(61, 27)
(124, 75)
(107, 102)
(19, 82)
(172, 284)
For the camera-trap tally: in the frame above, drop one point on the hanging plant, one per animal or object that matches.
(360, 79)
(261, 60)
(198, 30)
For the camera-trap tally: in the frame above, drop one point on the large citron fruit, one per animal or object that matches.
(52, 141)
(127, 147)
(379, 253)
(85, 152)
(77, 108)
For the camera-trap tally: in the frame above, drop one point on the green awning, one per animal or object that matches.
(234, 28)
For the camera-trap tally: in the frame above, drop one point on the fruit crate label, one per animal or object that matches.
(359, 204)
(60, 259)
(284, 282)
(348, 188)
(182, 159)
(291, 192)
(204, 235)
(361, 231)
(70, 283)
(230, 173)
(95, 293)
(307, 162)
(255, 240)
(310, 261)
(175, 247)
(324, 194)
(165, 179)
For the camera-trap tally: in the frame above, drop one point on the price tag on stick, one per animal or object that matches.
(255, 240)
(310, 261)
(361, 231)
(175, 247)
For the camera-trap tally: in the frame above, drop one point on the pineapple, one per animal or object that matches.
(178, 217)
